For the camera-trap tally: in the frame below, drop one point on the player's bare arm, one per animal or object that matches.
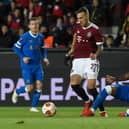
(98, 52)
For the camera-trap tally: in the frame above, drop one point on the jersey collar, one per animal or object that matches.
(34, 36)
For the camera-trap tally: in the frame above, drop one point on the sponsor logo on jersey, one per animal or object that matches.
(30, 41)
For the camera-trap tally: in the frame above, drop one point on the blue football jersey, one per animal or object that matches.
(122, 92)
(31, 46)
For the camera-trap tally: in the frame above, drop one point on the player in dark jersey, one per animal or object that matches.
(30, 49)
(86, 48)
(119, 91)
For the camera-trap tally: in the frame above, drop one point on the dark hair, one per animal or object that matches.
(110, 36)
(33, 19)
(82, 9)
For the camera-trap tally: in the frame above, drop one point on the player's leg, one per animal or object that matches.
(76, 78)
(75, 84)
(92, 74)
(27, 76)
(75, 81)
(92, 90)
(77, 74)
(124, 114)
(122, 94)
(36, 95)
(108, 90)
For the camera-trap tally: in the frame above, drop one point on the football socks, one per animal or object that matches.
(94, 93)
(100, 99)
(35, 98)
(80, 92)
(21, 90)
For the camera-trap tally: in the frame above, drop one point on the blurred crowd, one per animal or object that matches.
(57, 18)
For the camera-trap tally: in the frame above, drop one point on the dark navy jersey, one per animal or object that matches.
(31, 46)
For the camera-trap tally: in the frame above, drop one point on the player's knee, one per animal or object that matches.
(29, 88)
(75, 79)
(108, 89)
(39, 85)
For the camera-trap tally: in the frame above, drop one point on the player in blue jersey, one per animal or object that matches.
(31, 51)
(119, 91)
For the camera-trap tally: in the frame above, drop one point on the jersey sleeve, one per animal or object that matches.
(18, 47)
(98, 37)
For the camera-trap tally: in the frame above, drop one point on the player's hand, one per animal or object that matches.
(110, 79)
(92, 56)
(26, 60)
(46, 61)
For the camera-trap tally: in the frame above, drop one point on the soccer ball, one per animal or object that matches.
(49, 109)
(127, 112)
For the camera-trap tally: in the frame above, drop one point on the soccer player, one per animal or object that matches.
(86, 49)
(31, 51)
(117, 90)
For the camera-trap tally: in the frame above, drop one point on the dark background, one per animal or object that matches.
(113, 61)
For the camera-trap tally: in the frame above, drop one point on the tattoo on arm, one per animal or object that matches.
(99, 50)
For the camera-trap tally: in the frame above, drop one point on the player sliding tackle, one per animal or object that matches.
(119, 91)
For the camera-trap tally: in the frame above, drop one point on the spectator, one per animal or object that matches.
(109, 41)
(8, 20)
(49, 38)
(70, 25)
(2, 12)
(6, 38)
(98, 13)
(57, 9)
(16, 20)
(125, 32)
(16, 14)
(23, 3)
(60, 33)
(21, 30)
(12, 6)
(38, 7)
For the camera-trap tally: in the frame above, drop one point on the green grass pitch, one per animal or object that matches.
(65, 118)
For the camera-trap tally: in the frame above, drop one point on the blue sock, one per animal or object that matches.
(100, 99)
(21, 90)
(35, 98)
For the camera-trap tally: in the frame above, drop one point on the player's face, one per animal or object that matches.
(83, 18)
(34, 26)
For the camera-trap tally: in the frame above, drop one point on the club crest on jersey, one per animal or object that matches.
(89, 34)
(31, 47)
(27, 81)
(78, 31)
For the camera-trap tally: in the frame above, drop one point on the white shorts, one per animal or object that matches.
(85, 67)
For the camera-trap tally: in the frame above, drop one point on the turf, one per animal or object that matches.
(66, 118)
